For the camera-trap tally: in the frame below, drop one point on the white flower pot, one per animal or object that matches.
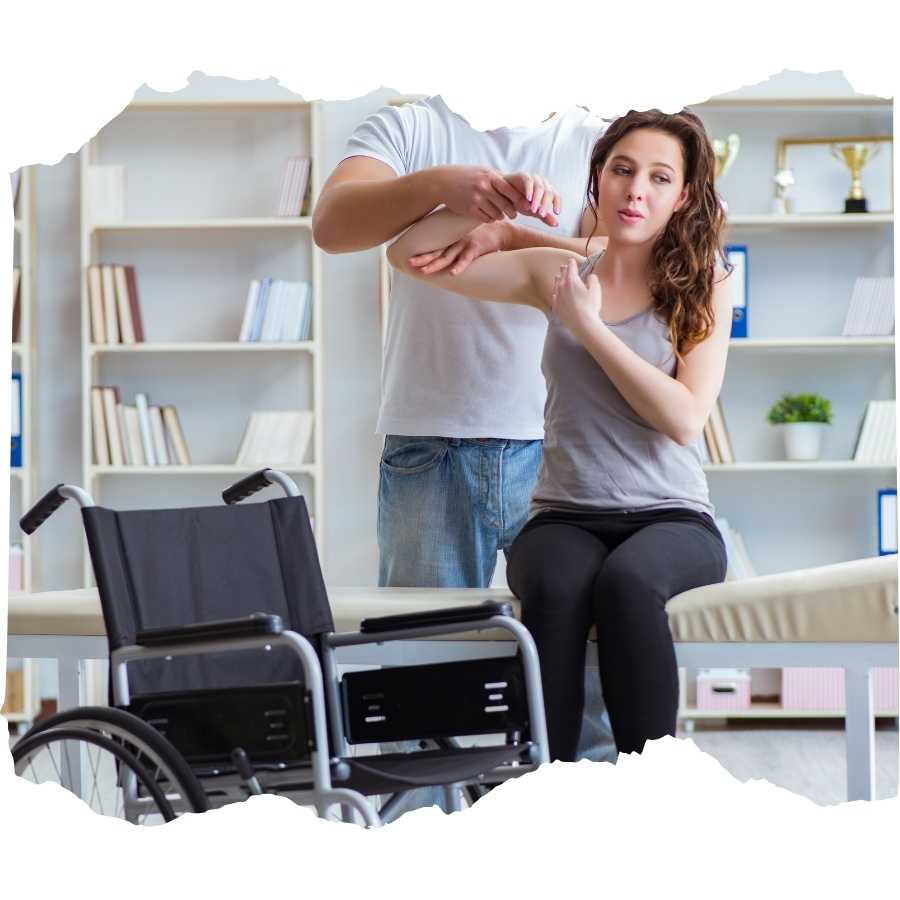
(803, 440)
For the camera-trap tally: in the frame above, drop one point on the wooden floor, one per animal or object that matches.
(806, 757)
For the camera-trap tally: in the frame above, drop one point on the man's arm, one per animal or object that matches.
(365, 203)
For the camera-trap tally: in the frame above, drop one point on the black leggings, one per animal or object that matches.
(615, 570)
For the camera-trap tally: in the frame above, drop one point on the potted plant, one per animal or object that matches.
(803, 418)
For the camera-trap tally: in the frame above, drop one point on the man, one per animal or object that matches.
(462, 391)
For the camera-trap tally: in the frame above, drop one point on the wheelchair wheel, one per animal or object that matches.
(114, 761)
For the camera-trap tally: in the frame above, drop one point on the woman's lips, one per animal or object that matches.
(629, 219)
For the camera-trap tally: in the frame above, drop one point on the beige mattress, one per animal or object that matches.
(848, 602)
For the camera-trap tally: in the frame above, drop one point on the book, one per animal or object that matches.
(736, 254)
(887, 521)
(127, 458)
(249, 309)
(15, 430)
(259, 312)
(113, 435)
(158, 435)
(15, 183)
(17, 313)
(16, 566)
(98, 428)
(294, 182)
(110, 312)
(106, 193)
(711, 446)
(133, 432)
(871, 309)
(140, 401)
(123, 306)
(275, 438)
(721, 433)
(134, 304)
(173, 428)
(95, 302)
(877, 439)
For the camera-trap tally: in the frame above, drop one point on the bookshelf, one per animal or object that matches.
(22, 682)
(195, 247)
(802, 267)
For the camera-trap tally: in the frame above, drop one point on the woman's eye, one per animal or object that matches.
(620, 170)
(663, 179)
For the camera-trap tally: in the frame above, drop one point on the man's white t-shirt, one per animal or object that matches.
(456, 367)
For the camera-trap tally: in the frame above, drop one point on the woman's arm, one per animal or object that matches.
(679, 406)
(518, 276)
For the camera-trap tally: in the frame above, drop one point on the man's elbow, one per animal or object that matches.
(324, 233)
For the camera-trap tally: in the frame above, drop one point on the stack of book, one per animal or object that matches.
(274, 438)
(877, 438)
(15, 428)
(16, 562)
(871, 309)
(739, 564)
(716, 442)
(294, 183)
(139, 435)
(115, 311)
(17, 315)
(277, 311)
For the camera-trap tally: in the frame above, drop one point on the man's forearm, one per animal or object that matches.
(521, 237)
(357, 215)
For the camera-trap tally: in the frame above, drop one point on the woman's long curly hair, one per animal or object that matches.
(684, 257)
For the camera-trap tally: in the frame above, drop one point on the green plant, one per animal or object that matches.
(800, 408)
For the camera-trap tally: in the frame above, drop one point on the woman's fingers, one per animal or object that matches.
(422, 259)
(444, 259)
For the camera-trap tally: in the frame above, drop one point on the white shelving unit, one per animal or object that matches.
(796, 286)
(155, 128)
(23, 480)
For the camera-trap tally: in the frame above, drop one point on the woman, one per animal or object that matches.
(634, 359)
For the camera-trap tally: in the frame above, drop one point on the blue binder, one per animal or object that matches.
(736, 254)
(15, 458)
(887, 521)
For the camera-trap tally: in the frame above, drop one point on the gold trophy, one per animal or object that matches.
(725, 152)
(854, 157)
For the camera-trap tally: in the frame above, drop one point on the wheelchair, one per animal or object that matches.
(224, 679)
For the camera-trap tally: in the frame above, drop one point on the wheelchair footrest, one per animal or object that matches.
(401, 771)
(483, 696)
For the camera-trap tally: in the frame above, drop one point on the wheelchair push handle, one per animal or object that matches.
(49, 503)
(258, 481)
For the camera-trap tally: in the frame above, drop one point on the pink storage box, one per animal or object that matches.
(723, 689)
(823, 689)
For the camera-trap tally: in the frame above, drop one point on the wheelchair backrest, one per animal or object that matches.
(174, 567)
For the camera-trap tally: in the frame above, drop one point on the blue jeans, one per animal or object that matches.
(446, 507)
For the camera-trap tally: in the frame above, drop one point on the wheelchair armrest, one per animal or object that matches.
(249, 626)
(454, 614)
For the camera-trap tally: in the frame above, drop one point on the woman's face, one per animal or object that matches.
(641, 185)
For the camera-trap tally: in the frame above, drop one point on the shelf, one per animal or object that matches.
(771, 710)
(819, 343)
(821, 465)
(17, 226)
(215, 104)
(810, 220)
(298, 222)
(205, 347)
(865, 103)
(213, 469)
(18, 472)
(18, 347)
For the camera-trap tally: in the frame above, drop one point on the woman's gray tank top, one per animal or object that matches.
(599, 454)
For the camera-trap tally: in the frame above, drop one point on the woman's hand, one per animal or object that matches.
(484, 239)
(577, 304)
(540, 197)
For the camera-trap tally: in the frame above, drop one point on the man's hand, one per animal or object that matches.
(478, 192)
(484, 239)
(577, 304)
(485, 194)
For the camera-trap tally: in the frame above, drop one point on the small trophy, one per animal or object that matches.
(725, 152)
(854, 157)
(783, 179)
